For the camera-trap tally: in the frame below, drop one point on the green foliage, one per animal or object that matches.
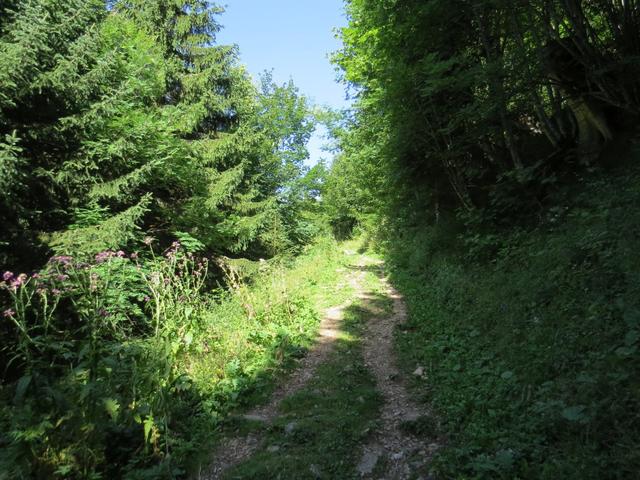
(465, 157)
(489, 116)
(530, 354)
(124, 124)
(123, 366)
(136, 113)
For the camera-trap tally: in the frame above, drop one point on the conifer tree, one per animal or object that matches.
(130, 121)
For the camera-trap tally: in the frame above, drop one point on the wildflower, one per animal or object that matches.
(63, 278)
(36, 276)
(56, 292)
(8, 313)
(19, 280)
(134, 256)
(104, 256)
(6, 276)
(147, 299)
(120, 254)
(41, 291)
(62, 259)
(148, 240)
(171, 251)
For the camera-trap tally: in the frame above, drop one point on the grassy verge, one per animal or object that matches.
(258, 332)
(322, 427)
(138, 390)
(532, 356)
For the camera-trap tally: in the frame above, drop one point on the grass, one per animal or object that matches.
(531, 355)
(254, 351)
(322, 427)
(145, 403)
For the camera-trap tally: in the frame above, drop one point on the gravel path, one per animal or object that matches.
(392, 453)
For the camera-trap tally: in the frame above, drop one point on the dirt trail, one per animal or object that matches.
(392, 453)
(236, 450)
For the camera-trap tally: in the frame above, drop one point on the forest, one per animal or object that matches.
(167, 256)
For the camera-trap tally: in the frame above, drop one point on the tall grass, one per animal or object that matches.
(122, 365)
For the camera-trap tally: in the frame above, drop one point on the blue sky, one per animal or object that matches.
(294, 39)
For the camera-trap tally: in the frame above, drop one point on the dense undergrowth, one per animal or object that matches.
(137, 392)
(530, 342)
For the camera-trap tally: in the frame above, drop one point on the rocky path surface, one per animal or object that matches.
(393, 453)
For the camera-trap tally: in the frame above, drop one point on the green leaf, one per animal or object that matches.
(21, 388)
(631, 338)
(574, 413)
(148, 425)
(112, 407)
(507, 375)
(626, 351)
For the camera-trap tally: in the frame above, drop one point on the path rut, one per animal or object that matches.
(392, 453)
(236, 450)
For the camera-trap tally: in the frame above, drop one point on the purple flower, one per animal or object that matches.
(19, 280)
(63, 278)
(8, 313)
(134, 256)
(120, 254)
(171, 251)
(36, 276)
(106, 255)
(6, 276)
(64, 260)
(56, 292)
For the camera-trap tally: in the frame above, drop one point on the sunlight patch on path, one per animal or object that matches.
(236, 450)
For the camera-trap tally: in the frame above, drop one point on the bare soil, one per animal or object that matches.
(393, 453)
